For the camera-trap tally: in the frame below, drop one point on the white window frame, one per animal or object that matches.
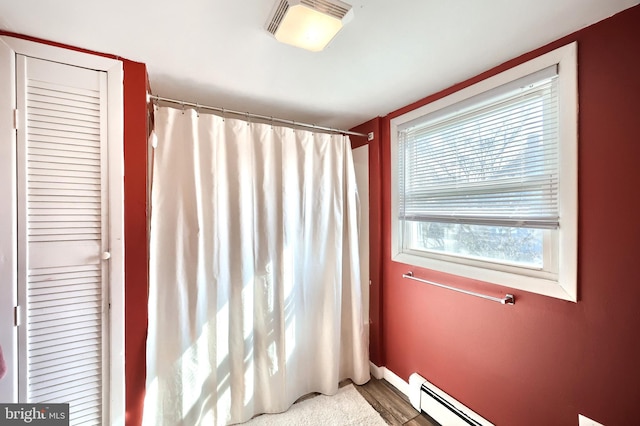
(562, 285)
(115, 130)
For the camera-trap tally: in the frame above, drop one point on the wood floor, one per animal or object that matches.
(392, 405)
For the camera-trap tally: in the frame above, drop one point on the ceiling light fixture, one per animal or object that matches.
(309, 24)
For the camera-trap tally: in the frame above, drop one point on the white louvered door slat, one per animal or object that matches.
(62, 214)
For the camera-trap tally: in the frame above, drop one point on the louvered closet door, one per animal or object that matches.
(62, 233)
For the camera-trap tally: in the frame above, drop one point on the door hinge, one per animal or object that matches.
(16, 116)
(16, 315)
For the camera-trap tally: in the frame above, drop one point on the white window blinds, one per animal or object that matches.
(489, 160)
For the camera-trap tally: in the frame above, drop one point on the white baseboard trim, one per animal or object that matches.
(377, 372)
(391, 377)
(396, 381)
(418, 402)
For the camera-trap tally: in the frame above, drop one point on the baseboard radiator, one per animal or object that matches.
(426, 397)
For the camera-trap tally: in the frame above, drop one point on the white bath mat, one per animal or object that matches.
(346, 408)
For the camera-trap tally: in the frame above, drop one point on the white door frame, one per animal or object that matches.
(8, 224)
(9, 47)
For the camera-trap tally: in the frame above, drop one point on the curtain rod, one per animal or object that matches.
(249, 115)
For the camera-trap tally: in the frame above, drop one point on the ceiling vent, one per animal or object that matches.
(309, 24)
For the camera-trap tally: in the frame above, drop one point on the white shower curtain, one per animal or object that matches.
(255, 296)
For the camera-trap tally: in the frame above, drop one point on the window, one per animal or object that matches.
(485, 180)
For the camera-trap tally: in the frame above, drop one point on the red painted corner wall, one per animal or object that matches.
(375, 232)
(542, 361)
(135, 229)
(135, 226)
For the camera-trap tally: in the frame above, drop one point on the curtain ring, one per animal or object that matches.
(223, 115)
(197, 110)
(271, 122)
(246, 114)
(182, 107)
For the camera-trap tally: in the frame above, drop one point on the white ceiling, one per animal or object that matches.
(217, 52)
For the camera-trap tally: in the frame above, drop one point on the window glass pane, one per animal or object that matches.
(503, 244)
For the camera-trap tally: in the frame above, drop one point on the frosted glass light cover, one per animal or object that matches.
(307, 28)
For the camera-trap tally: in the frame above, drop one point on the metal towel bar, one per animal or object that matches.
(508, 299)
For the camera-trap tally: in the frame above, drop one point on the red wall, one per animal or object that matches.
(375, 233)
(543, 360)
(135, 227)
(135, 230)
